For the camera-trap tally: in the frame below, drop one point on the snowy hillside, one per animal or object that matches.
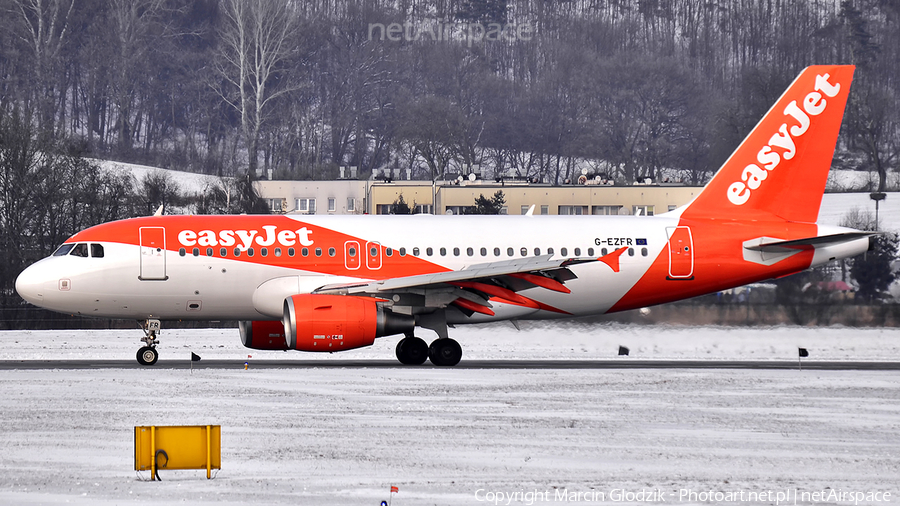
(188, 182)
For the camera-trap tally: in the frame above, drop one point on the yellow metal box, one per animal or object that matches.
(185, 447)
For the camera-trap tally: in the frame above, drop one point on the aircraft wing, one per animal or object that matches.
(470, 288)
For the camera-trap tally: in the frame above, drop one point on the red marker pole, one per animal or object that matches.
(394, 490)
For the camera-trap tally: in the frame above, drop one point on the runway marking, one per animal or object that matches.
(7, 365)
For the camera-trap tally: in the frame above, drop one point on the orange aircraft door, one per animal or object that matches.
(351, 255)
(373, 255)
(681, 253)
(153, 253)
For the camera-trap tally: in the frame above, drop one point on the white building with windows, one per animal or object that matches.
(314, 197)
(454, 197)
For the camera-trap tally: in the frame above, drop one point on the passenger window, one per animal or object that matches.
(470, 251)
(456, 252)
(351, 251)
(290, 252)
(603, 252)
(373, 252)
(643, 252)
(237, 252)
(563, 252)
(590, 252)
(524, 252)
(510, 252)
(80, 250)
(223, 252)
(389, 252)
(250, 252)
(484, 252)
(496, 252)
(63, 250)
(415, 251)
(278, 252)
(331, 252)
(264, 252)
(97, 250)
(537, 252)
(403, 252)
(196, 252)
(549, 251)
(181, 252)
(443, 252)
(318, 252)
(631, 252)
(304, 252)
(578, 252)
(429, 251)
(209, 252)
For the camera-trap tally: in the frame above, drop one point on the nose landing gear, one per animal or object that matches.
(148, 355)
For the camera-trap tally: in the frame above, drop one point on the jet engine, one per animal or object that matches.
(338, 322)
(263, 335)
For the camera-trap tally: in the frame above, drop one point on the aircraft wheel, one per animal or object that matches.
(147, 356)
(412, 351)
(445, 352)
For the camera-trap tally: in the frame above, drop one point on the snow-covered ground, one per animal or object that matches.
(836, 205)
(569, 340)
(187, 182)
(344, 435)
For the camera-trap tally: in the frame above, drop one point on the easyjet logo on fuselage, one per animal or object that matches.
(754, 174)
(247, 238)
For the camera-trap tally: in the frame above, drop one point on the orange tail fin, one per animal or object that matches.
(780, 169)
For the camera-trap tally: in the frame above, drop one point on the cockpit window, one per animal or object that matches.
(63, 250)
(80, 250)
(97, 250)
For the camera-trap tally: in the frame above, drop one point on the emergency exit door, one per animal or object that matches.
(153, 253)
(681, 253)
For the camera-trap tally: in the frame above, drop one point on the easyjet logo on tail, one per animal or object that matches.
(768, 158)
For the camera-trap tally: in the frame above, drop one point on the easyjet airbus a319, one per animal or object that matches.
(334, 283)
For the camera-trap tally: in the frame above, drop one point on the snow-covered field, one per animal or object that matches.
(187, 182)
(836, 205)
(342, 435)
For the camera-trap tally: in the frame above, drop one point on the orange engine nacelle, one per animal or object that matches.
(263, 335)
(338, 322)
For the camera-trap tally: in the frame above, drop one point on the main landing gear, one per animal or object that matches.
(412, 350)
(148, 355)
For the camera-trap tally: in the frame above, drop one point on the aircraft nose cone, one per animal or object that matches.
(30, 285)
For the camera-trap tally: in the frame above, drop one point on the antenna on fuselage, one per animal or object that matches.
(159, 211)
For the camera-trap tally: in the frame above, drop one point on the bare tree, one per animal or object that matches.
(255, 47)
(43, 26)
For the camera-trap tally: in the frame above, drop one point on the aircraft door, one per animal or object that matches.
(153, 253)
(373, 255)
(681, 253)
(351, 255)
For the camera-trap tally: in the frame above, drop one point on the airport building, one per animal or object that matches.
(453, 197)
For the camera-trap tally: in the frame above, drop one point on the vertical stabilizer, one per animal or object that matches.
(780, 169)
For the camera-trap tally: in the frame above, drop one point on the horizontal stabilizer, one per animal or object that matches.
(769, 244)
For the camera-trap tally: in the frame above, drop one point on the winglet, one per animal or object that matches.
(159, 210)
(612, 259)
